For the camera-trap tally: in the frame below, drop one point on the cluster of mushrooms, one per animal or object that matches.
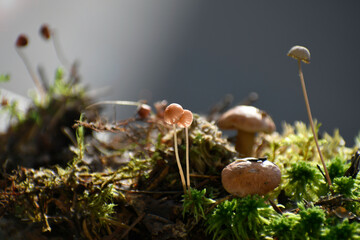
(247, 175)
(243, 176)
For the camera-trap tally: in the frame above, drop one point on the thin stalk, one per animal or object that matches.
(312, 123)
(125, 103)
(58, 50)
(178, 161)
(35, 79)
(187, 159)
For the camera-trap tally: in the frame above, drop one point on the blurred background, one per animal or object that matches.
(196, 52)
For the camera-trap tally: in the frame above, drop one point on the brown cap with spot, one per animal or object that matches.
(250, 176)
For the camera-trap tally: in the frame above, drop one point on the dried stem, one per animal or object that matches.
(312, 123)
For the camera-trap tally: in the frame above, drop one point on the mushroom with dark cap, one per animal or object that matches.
(247, 120)
(250, 176)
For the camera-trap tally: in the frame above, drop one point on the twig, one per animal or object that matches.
(132, 226)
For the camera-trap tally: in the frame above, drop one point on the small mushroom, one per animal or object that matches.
(21, 42)
(185, 122)
(175, 114)
(250, 176)
(143, 111)
(45, 31)
(247, 120)
(301, 53)
(172, 115)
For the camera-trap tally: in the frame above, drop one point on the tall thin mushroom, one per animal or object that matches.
(303, 54)
(172, 115)
(185, 122)
(21, 42)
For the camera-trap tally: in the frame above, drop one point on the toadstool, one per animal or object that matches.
(185, 121)
(172, 115)
(250, 176)
(175, 114)
(301, 53)
(247, 120)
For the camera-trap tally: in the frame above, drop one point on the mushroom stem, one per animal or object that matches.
(244, 143)
(312, 123)
(178, 161)
(187, 159)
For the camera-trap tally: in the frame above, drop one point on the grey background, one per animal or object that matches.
(196, 52)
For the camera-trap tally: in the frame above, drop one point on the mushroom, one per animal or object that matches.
(143, 111)
(21, 42)
(301, 53)
(175, 114)
(250, 176)
(172, 115)
(185, 122)
(45, 31)
(247, 120)
(49, 34)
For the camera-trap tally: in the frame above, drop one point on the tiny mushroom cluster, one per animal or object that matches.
(250, 176)
(175, 114)
(247, 120)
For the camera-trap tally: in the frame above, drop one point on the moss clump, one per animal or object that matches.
(240, 218)
(303, 181)
(342, 230)
(307, 224)
(337, 167)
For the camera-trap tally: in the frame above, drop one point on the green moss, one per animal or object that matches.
(337, 167)
(196, 203)
(303, 181)
(342, 231)
(240, 218)
(344, 186)
(311, 221)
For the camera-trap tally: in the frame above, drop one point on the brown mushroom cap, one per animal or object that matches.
(21, 41)
(45, 31)
(186, 119)
(247, 119)
(248, 176)
(173, 113)
(143, 111)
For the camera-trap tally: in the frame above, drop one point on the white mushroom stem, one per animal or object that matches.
(244, 143)
(312, 123)
(178, 161)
